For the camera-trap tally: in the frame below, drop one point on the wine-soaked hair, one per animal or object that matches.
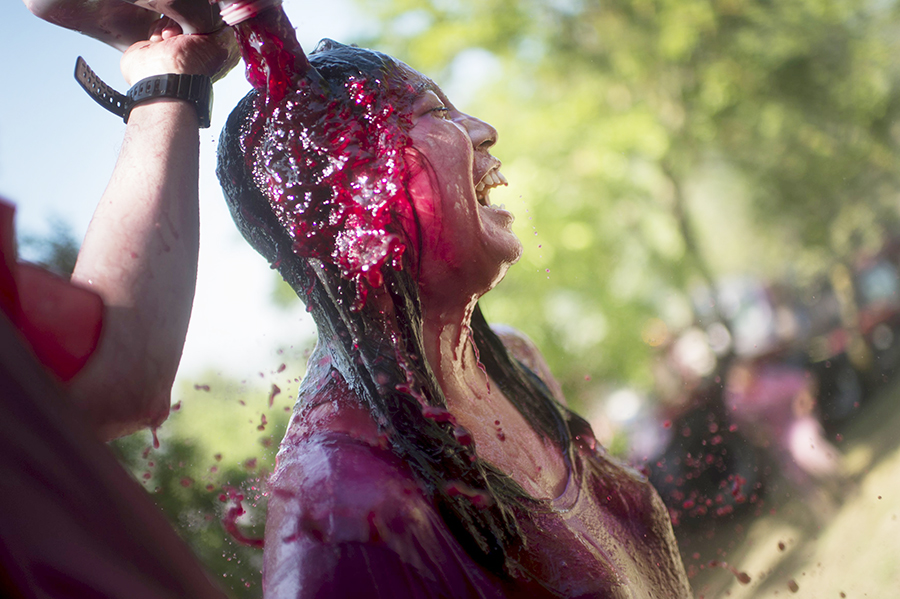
(376, 346)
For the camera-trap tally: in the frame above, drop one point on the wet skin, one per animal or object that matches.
(467, 247)
(466, 243)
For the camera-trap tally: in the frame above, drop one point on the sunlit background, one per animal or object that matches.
(701, 186)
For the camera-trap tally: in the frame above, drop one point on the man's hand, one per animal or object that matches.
(168, 50)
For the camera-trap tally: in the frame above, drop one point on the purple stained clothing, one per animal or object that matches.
(348, 519)
(773, 405)
(762, 399)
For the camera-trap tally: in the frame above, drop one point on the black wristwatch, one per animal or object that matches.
(196, 89)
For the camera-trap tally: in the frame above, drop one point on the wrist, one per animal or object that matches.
(166, 112)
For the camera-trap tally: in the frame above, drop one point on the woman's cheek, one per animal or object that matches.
(422, 187)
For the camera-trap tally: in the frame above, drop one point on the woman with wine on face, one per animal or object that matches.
(429, 454)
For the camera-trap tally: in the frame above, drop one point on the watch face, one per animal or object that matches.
(204, 102)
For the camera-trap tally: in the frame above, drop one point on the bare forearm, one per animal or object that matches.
(140, 251)
(140, 255)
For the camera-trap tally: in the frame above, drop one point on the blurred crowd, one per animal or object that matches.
(761, 387)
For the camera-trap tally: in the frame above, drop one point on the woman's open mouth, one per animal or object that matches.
(491, 179)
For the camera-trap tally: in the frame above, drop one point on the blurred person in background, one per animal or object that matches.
(774, 405)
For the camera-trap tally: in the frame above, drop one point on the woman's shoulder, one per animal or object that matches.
(345, 485)
(327, 404)
(523, 349)
(349, 519)
(335, 460)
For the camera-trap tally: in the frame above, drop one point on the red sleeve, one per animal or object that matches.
(73, 523)
(60, 321)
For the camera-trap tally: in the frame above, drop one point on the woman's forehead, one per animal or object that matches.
(419, 82)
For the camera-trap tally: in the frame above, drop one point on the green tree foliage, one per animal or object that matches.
(56, 251)
(215, 451)
(657, 144)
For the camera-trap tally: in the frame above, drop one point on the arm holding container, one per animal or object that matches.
(140, 251)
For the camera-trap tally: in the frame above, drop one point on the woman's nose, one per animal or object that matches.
(482, 134)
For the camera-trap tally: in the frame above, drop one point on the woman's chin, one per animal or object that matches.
(505, 243)
(497, 214)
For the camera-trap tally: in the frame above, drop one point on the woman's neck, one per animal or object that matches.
(503, 437)
(451, 353)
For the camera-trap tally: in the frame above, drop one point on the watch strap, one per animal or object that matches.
(196, 89)
(103, 94)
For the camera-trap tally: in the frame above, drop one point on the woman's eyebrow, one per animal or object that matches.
(429, 85)
(422, 87)
(422, 94)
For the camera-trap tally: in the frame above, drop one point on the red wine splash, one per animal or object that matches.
(329, 156)
(274, 60)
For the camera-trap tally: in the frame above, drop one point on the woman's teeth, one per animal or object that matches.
(493, 178)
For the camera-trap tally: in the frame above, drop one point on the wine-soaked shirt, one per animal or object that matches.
(347, 519)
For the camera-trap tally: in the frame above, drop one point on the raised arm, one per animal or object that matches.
(140, 251)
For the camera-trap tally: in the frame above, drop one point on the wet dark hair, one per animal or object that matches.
(379, 352)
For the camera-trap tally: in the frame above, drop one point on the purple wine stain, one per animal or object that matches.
(229, 520)
(349, 144)
(480, 499)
